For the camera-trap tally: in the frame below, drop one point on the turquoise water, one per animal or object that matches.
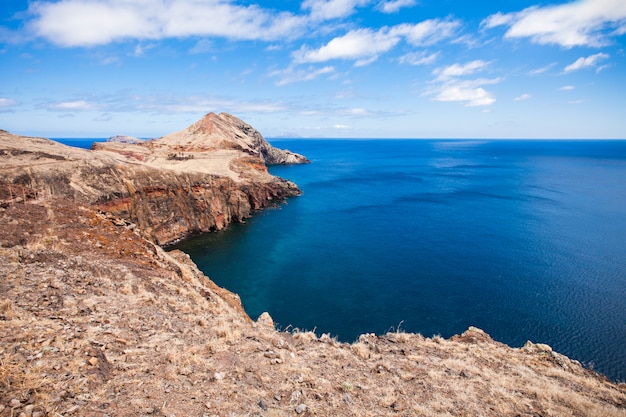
(84, 143)
(524, 239)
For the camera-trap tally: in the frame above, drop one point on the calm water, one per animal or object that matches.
(524, 239)
(84, 143)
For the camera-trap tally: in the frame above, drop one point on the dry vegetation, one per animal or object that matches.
(96, 321)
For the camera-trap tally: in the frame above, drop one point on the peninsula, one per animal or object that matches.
(96, 319)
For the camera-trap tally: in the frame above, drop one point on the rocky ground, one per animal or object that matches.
(98, 320)
(95, 321)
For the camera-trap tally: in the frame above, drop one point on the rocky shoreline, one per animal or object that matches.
(217, 175)
(96, 319)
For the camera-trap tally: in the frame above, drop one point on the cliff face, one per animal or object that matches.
(203, 179)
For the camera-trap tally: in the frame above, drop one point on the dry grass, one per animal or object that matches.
(95, 331)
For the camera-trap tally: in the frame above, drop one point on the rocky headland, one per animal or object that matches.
(196, 180)
(96, 319)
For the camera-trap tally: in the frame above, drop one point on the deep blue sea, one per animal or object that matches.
(524, 239)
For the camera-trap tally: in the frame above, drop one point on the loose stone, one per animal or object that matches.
(262, 405)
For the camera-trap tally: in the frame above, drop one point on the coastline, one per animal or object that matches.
(96, 318)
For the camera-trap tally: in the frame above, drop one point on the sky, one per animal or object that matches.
(315, 68)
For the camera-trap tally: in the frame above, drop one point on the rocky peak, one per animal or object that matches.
(225, 131)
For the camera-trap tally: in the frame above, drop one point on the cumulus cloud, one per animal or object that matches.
(472, 96)
(567, 88)
(365, 45)
(331, 9)
(360, 44)
(580, 23)
(523, 97)
(468, 91)
(394, 6)
(452, 87)
(586, 62)
(97, 22)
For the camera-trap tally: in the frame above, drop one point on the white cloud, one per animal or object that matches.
(542, 70)
(498, 19)
(601, 68)
(427, 32)
(418, 58)
(458, 70)
(109, 60)
(356, 112)
(75, 105)
(7, 104)
(523, 97)
(567, 88)
(140, 50)
(365, 45)
(470, 94)
(342, 127)
(453, 88)
(394, 6)
(587, 62)
(580, 23)
(98, 22)
(360, 44)
(331, 9)
(292, 75)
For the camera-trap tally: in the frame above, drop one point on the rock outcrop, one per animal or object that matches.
(224, 131)
(96, 319)
(197, 180)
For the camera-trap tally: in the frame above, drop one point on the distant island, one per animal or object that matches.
(125, 139)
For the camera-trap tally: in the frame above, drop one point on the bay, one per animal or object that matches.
(524, 239)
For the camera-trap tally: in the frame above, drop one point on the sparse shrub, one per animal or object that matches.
(179, 157)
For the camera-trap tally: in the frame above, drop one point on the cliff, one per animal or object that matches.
(197, 180)
(97, 320)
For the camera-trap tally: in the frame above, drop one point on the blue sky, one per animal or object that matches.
(315, 68)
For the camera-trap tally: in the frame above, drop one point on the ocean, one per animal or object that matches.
(523, 239)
